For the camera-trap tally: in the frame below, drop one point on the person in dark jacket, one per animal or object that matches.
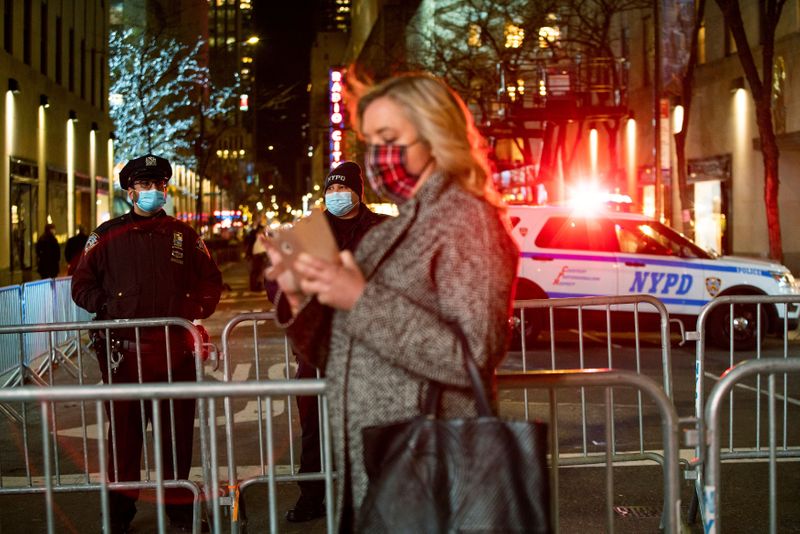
(48, 253)
(74, 249)
(147, 264)
(350, 220)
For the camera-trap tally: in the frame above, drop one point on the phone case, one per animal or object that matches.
(311, 234)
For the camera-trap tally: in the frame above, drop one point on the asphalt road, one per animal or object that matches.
(582, 500)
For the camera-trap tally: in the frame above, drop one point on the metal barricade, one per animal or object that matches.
(762, 309)
(267, 394)
(65, 308)
(10, 313)
(206, 393)
(607, 378)
(71, 468)
(712, 504)
(38, 307)
(267, 469)
(547, 314)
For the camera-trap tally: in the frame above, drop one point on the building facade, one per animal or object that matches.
(57, 153)
(726, 170)
(232, 44)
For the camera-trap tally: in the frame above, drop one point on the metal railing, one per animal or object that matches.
(712, 504)
(607, 378)
(42, 301)
(71, 475)
(739, 447)
(266, 467)
(555, 314)
(209, 392)
(204, 392)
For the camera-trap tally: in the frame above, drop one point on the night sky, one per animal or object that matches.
(287, 32)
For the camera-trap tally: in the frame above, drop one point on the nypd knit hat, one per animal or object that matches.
(346, 173)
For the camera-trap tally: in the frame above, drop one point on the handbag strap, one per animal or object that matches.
(482, 405)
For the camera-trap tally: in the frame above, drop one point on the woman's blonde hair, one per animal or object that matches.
(444, 123)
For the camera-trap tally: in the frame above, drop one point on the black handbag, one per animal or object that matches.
(480, 474)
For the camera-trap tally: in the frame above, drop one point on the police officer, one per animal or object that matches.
(147, 264)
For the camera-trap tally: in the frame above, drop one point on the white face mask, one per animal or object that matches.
(340, 203)
(151, 200)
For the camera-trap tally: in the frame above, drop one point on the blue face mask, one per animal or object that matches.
(340, 203)
(151, 200)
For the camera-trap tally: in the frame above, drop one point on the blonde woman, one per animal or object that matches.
(387, 321)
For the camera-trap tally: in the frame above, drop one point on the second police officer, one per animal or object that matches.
(147, 264)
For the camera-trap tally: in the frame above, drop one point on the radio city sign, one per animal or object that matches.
(336, 114)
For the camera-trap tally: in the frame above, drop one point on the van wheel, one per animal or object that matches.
(745, 326)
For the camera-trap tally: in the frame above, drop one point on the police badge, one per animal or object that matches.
(713, 286)
(177, 247)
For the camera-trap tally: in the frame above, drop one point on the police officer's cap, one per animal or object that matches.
(149, 166)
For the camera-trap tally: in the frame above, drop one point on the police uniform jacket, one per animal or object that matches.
(447, 262)
(139, 267)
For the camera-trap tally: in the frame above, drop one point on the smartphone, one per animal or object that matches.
(311, 234)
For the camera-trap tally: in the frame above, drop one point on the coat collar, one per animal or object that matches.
(393, 232)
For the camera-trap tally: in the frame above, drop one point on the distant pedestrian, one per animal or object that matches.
(74, 249)
(257, 255)
(48, 253)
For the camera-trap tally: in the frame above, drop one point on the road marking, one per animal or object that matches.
(598, 338)
(240, 373)
(764, 390)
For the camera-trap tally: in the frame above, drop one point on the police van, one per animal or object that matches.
(569, 252)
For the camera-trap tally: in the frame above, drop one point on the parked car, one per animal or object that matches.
(576, 253)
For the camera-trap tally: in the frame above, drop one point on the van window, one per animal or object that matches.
(578, 233)
(651, 237)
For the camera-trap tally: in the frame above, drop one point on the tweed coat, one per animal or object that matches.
(446, 262)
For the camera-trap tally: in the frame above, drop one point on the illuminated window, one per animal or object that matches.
(514, 36)
(247, 59)
(474, 39)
